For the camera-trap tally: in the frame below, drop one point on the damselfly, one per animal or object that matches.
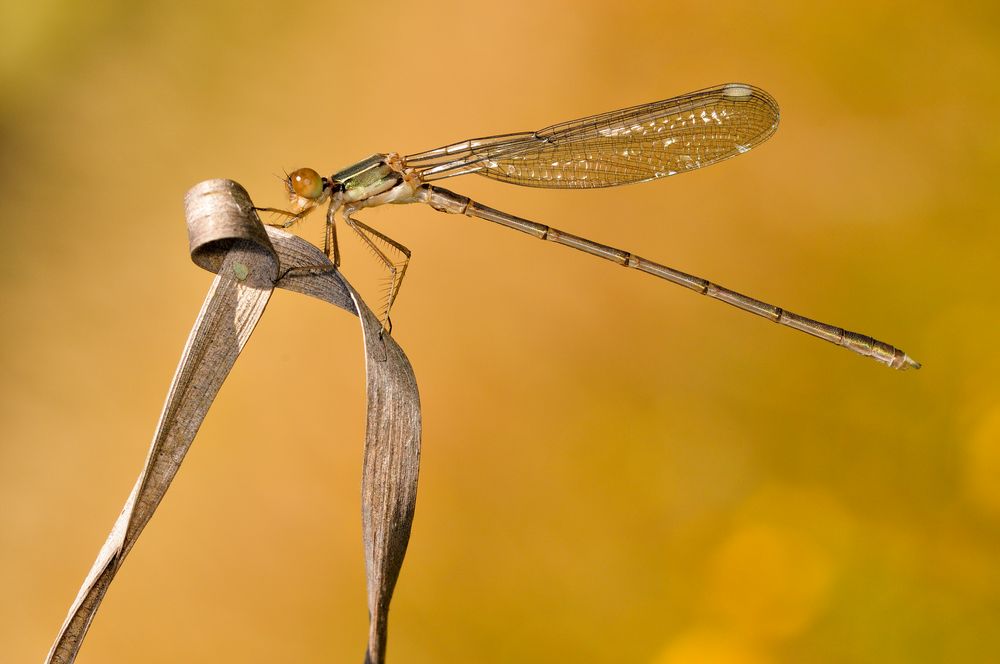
(627, 146)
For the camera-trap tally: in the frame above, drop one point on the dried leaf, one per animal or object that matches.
(227, 238)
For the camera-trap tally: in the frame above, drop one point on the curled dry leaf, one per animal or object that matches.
(228, 239)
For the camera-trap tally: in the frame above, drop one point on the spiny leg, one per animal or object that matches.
(290, 217)
(396, 270)
(330, 246)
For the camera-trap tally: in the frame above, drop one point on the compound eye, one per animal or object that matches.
(307, 183)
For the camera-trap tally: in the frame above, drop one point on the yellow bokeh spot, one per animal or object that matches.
(982, 463)
(767, 582)
(702, 647)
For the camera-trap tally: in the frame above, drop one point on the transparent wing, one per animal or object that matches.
(619, 147)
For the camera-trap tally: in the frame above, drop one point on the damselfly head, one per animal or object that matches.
(307, 183)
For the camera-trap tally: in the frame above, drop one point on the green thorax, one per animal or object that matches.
(366, 178)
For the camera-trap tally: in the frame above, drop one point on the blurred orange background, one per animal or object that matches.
(613, 468)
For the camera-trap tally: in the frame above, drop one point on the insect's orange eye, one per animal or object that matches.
(307, 183)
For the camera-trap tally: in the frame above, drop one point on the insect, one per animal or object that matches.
(626, 146)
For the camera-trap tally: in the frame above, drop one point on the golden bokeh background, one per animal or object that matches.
(613, 469)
